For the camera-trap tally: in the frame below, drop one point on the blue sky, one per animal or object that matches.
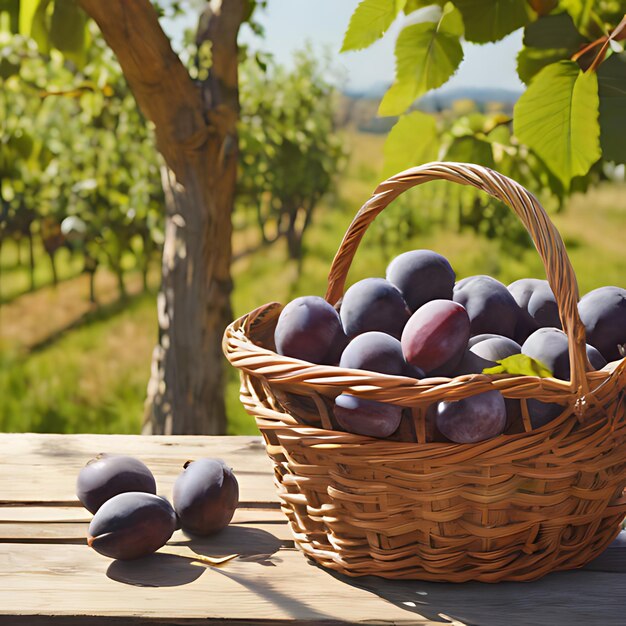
(291, 23)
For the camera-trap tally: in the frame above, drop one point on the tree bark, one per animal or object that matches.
(31, 260)
(196, 134)
(55, 277)
(294, 237)
(18, 243)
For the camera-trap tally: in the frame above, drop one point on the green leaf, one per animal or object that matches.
(470, 150)
(12, 8)
(580, 11)
(491, 20)
(414, 5)
(8, 68)
(412, 141)
(554, 31)
(550, 39)
(369, 22)
(520, 365)
(612, 92)
(40, 26)
(428, 52)
(27, 12)
(68, 30)
(397, 99)
(557, 117)
(530, 61)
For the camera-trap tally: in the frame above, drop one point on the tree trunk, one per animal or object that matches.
(294, 241)
(121, 285)
(144, 277)
(31, 260)
(55, 278)
(1, 242)
(144, 259)
(196, 133)
(18, 243)
(186, 389)
(92, 286)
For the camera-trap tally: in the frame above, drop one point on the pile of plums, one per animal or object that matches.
(131, 521)
(418, 322)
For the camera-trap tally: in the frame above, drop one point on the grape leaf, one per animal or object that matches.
(34, 22)
(12, 10)
(580, 11)
(412, 141)
(557, 117)
(414, 5)
(27, 12)
(554, 31)
(369, 22)
(520, 365)
(491, 20)
(68, 29)
(612, 92)
(530, 61)
(427, 52)
(551, 39)
(470, 150)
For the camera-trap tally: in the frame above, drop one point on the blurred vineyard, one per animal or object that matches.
(82, 217)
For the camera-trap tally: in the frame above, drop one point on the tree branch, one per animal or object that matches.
(219, 23)
(160, 83)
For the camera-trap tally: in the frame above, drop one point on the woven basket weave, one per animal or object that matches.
(511, 508)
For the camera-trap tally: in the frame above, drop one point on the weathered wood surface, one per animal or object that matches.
(49, 576)
(52, 463)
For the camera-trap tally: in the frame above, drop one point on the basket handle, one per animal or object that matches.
(547, 240)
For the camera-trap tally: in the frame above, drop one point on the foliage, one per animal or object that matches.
(471, 137)
(290, 151)
(428, 51)
(78, 165)
(561, 101)
(520, 365)
(573, 62)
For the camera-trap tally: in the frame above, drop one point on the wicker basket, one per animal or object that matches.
(511, 508)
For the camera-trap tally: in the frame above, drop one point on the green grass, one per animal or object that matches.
(91, 380)
(94, 378)
(15, 278)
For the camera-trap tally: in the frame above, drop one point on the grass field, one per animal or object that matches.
(93, 378)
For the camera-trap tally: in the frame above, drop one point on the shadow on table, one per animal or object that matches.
(171, 570)
(156, 570)
(576, 598)
(251, 544)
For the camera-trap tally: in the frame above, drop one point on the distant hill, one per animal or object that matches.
(442, 98)
(359, 107)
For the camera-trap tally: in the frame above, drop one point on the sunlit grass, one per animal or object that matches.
(92, 380)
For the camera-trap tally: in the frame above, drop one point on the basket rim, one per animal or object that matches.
(279, 370)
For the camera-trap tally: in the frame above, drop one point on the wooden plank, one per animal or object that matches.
(44, 514)
(74, 514)
(275, 586)
(57, 532)
(48, 574)
(38, 468)
(282, 587)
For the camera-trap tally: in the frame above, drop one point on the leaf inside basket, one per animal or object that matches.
(521, 365)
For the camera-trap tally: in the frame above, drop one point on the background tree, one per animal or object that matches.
(291, 152)
(196, 133)
(79, 167)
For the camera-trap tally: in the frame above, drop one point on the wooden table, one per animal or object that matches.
(48, 575)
